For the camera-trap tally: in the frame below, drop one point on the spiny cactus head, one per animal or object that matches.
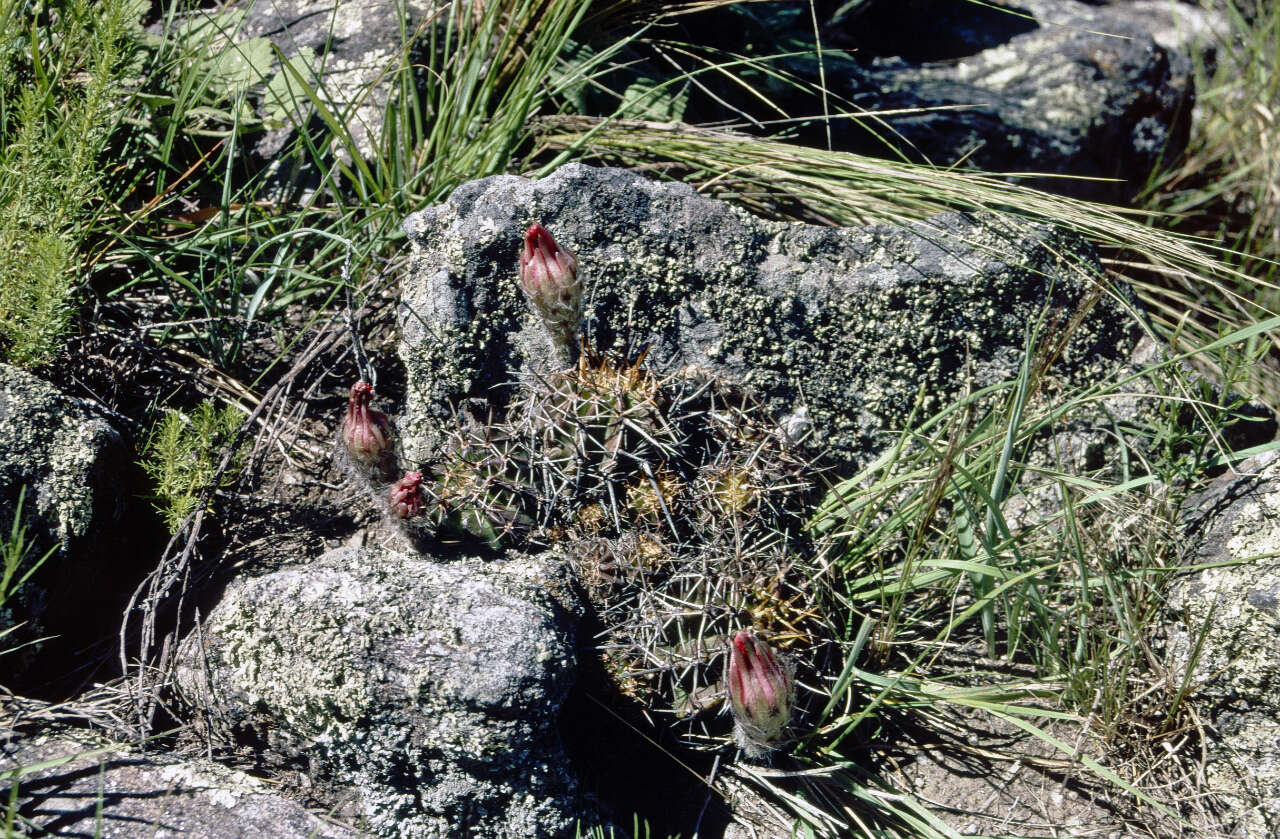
(595, 561)
(366, 431)
(781, 608)
(643, 553)
(601, 375)
(459, 480)
(761, 687)
(591, 519)
(483, 487)
(603, 413)
(731, 490)
(549, 279)
(405, 498)
(648, 498)
(600, 385)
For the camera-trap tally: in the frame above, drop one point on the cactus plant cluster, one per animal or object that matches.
(678, 498)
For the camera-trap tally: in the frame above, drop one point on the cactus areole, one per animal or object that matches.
(366, 431)
(760, 688)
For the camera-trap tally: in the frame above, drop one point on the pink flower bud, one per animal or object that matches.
(549, 278)
(761, 688)
(366, 431)
(405, 497)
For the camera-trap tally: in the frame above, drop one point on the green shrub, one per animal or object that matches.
(62, 67)
(182, 455)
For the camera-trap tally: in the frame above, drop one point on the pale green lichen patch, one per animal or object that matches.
(223, 787)
(63, 459)
(1238, 605)
(312, 694)
(54, 446)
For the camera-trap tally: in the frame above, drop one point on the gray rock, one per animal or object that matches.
(347, 48)
(1225, 633)
(848, 324)
(1178, 27)
(59, 448)
(151, 795)
(431, 689)
(69, 458)
(1056, 88)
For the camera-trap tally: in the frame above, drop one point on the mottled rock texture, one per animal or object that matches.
(847, 325)
(428, 689)
(1056, 87)
(1179, 27)
(61, 450)
(1226, 629)
(71, 461)
(346, 47)
(152, 795)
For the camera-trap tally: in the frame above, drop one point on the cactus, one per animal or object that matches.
(481, 489)
(549, 279)
(678, 500)
(601, 421)
(404, 499)
(651, 498)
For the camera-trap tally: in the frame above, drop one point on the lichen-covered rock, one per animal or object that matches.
(347, 50)
(1057, 87)
(429, 688)
(70, 459)
(841, 326)
(60, 449)
(153, 795)
(1185, 28)
(1225, 632)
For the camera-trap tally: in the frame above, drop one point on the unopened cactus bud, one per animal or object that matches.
(366, 431)
(761, 687)
(405, 498)
(549, 278)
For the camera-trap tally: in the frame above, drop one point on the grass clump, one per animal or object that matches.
(181, 458)
(1223, 190)
(17, 565)
(982, 583)
(62, 68)
(234, 245)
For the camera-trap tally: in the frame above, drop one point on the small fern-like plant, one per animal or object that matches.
(181, 458)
